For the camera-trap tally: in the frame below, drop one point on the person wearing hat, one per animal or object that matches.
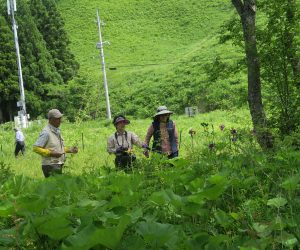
(121, 143)
(20, 142)
(164, 132)
(50, 145)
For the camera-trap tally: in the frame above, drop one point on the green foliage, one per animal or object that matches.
(280, 60)
(230, 196)
(46, 64)
(38, 66)
(278, 43)
(50, 24)
(9, 88)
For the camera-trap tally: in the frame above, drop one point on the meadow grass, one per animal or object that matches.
(150, 42)
(95, 134)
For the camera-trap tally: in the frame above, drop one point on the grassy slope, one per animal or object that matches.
(145, 32)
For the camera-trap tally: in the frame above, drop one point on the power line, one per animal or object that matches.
(112, 67)
(228, 10)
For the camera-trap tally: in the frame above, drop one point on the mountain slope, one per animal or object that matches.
(151, 44)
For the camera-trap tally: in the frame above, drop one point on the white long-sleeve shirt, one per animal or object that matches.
(117, 140)
(19, 136)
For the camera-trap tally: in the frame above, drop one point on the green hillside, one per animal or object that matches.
(159, 50)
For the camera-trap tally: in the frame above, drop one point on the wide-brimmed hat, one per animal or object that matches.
(120, 118)
(162, 110)
(54, 113)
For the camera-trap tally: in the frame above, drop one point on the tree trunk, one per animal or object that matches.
(247, 12)
(1, 116)
(290, 37)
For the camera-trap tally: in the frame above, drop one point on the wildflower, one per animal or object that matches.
(204, 124)
(222, 127)
(211, 146)
(233, 131)
(192, 131)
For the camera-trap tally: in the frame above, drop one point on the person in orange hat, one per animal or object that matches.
(164, 133)
(50, 145)
(121, 143)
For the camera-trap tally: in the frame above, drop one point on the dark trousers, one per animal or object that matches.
(125, 161)
(53, 169)
(173, 155)
(20, 146)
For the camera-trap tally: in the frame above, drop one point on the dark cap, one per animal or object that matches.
(120, 118)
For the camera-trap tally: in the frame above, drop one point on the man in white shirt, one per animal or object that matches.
(50, 145)
(20, 142)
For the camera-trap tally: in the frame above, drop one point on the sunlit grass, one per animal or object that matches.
(92, 148)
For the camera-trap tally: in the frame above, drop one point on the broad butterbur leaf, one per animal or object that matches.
(291, 183)
(157, 233)
(92, 235)
(277, 202)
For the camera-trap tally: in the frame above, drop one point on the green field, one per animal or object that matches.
(222, 193)
(159, 48)
(95, 134)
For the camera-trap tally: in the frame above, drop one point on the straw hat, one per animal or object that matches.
(162, 110)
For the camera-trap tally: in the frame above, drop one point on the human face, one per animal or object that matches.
(55, 122)
(164, 118)
(121, 125)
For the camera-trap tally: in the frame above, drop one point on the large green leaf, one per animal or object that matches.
(291, 183)
(262, 230)
(6, 209)
(31, 203)
(195, 185)
(179, 162)
(7, 237)
(287, 239)
(134, 242)
(157, 234)
(223, 218)
(91, 203)
(56, 227)
(160, 197)
(199, 240)
(92, 235)
(277, 202)
(215, 188)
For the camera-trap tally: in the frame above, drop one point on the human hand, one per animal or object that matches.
(146, 153)
(145, 146)
(129, 150)
(74, 150)
(55, 154)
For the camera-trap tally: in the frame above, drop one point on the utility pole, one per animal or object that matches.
(11, 9)
(100, 46)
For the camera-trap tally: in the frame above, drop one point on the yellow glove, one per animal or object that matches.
(41, 151)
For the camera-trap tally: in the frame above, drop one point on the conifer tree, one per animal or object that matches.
(9, 90)
(39, 71)
(51, 26)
